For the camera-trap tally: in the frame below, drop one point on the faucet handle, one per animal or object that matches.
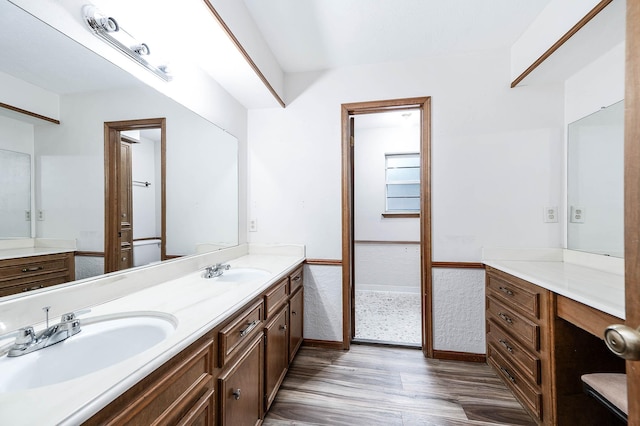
(25, 336)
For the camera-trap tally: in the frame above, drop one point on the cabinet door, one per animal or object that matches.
(296, 306)
(276, 354)
(241, 387)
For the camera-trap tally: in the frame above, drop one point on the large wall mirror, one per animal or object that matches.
(15, 194)
(595, 180)
(69, 188)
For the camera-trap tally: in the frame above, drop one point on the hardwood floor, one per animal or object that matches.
(376, 385)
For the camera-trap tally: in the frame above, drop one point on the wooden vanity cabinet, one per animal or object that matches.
(241, 387)
(296, 322)
(181, 392)
(283, 332)
(229, 376)
(541, 343)
(276, 356)
(519, 340)
(22, 274)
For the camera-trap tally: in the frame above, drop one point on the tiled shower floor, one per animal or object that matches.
(388, 317)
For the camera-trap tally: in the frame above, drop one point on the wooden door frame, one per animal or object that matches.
(632, 197)
(112, 131)
(350, 109)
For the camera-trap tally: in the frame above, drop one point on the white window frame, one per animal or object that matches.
(406, 182)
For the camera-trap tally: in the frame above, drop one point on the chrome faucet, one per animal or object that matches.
(216, 270)
(29, 341)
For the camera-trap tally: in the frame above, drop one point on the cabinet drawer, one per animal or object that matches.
(175, 395)
(513, 352)
(529, 395)
(28, 284)
(515, 293)
(233, 336)
(275, 297)
(33, 266)
(517, 325)
(296, 280)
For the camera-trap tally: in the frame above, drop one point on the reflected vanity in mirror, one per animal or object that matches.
(201, 184)
(15, 194)
(595, 182)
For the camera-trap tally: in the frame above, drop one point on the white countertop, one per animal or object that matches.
(191, 299)
(599, 289)
(32, 251)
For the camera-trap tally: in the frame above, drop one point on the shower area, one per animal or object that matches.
(386, 261)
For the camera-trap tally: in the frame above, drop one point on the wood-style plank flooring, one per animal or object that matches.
(378, 385)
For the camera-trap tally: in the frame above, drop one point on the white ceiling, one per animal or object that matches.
(307, 35)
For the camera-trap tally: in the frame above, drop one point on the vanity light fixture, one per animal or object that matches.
(107, 28)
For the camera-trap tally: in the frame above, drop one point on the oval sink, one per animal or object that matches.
(98, 345)
(241, 275)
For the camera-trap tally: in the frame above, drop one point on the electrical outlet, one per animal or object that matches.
(577, 214)
(40, 214)
(551, 214)
(253, 225)
(27, 215)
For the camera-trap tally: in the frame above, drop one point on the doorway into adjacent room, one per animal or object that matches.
(134, 195)
(386, 236)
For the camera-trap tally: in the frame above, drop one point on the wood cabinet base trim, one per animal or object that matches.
(459, 356)
(325, 344)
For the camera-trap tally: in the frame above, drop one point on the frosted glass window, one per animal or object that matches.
(402, 182)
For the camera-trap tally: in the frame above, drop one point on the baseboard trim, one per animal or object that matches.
(325, 262)
(459, 356)
(324, 344)
(90, 253)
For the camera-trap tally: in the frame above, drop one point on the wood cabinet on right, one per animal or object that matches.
(540, 344)
(518, 340)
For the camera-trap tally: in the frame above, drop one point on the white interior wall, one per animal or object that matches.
(70, 165)
(496, 155)
(18, 137)
(20, 94)
(553, 22)
(145, 203)
(379, 266)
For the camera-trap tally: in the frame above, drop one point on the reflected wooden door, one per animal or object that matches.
(632, 197)
(118, 201)
(125, 206)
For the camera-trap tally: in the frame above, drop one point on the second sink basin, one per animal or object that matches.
(238, 275)
(98, 345)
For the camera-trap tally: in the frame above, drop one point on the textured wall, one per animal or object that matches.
(89, 267)
(458, 310)
(387, 267)
(323, 302)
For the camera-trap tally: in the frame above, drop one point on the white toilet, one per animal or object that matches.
(146, 251)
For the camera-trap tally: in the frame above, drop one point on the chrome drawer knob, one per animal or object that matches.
(236, 394)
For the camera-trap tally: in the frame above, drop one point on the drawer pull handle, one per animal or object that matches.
(509, 376)
(296, 278)
(506, 291)
(250, 327)
(236, 394)
(33, 288)
(506, 345)
(283, 327)
(505, 317)
(32, 269)
(294, 313)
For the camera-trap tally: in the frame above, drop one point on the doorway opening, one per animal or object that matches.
(146, 140)
(386, 223)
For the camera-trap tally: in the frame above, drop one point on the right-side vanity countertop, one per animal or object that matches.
(601, 289)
